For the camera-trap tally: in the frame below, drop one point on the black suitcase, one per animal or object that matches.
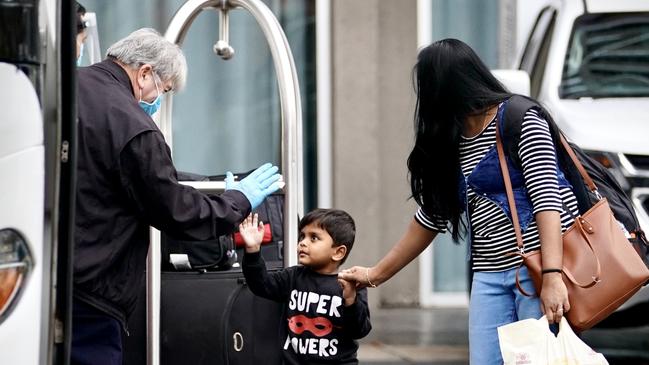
(207, 319)
(213, 318)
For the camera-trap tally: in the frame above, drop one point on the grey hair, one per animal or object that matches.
(147, 46)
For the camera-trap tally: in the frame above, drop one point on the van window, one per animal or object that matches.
(536, 51)
(533, 44)
(608, 56)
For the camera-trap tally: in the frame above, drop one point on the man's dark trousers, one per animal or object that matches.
(96, 336)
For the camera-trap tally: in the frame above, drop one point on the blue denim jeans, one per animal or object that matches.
(496, 301)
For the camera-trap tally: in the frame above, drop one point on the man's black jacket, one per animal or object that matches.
(126, 181)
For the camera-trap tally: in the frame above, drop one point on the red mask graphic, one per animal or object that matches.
(319, 326)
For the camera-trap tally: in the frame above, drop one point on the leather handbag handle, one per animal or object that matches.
(514, 213)
(579, 221)
(518, 282)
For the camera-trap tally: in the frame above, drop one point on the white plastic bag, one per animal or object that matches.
(530, 342)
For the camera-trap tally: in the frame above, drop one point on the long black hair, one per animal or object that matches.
(451, 83)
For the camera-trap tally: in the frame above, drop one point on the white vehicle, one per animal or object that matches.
(37, 163)
(588, 63)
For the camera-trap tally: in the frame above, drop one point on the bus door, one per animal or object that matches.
(37, 154)
(210, 317)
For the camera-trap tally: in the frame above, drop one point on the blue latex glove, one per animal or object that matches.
(258, 185)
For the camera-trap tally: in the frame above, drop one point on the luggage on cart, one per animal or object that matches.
(213, 318)
(207, 313)
(226, 251)
(208, 318)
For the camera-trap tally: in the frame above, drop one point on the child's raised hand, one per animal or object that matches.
(252, 232)
(349, 291)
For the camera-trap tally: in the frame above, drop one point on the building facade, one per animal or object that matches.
(354, 59)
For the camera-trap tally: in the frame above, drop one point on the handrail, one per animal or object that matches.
(291, 146)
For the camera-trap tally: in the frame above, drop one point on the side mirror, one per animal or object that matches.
(516, 81)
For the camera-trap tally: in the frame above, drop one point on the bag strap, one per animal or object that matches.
(511, 119)
(580, 221)
(508, 188)
(512, 205)
(518, 281)
(582, 171)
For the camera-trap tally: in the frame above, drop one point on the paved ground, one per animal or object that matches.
(439, 337)
(416, 336)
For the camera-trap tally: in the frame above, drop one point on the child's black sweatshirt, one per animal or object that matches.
(319, 328)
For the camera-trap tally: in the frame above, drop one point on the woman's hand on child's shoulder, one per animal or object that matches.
(252, 232)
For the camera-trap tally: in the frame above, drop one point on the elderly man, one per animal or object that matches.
(127, 181)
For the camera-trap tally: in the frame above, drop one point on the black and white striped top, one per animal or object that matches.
(493, 234)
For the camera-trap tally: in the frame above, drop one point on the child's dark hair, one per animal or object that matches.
(338, 224)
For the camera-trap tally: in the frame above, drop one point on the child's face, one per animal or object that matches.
(314, 249)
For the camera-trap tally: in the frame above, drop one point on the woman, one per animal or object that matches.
(454, 170)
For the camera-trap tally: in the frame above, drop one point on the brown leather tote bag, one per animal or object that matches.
(601, 269)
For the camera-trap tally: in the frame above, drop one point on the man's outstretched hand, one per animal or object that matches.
(258, 185)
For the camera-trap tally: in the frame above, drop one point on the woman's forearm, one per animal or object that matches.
(554, 294)
(413, 242)
(549, 224)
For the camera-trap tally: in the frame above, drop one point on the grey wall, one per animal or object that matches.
(373, 52)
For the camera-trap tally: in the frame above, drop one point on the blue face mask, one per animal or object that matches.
(80, 55)
(152, 107)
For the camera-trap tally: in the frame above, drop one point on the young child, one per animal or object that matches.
(324, 314)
